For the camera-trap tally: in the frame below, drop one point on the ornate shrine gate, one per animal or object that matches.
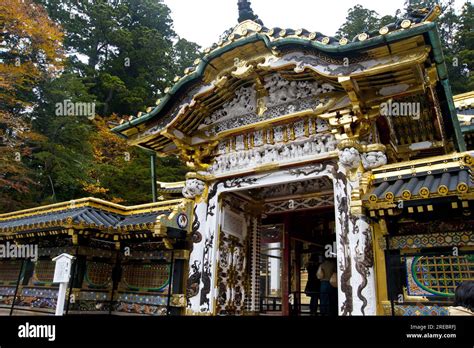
(267, 107)
(230, 245)
(366, 126)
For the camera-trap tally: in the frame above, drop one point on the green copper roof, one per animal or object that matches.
(197, 74)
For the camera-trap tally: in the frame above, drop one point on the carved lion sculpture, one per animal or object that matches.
(193, 188)
(373, 159)
(349, 158)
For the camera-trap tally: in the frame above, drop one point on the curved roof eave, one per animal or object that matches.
(196, 75)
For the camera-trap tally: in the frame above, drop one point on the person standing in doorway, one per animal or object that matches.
(313, 285)
(324, 274)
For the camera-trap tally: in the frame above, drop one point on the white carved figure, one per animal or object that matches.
(243, 103)
(373, 159)
(322, 145)
(193, 188)
(331, 143)
(299, 150)
(258, 157)
(286, 152)
(317, 146)
(273, 155)
(268, 153)
(349, 157)
(233, 161)
(306, 149)
(292, 151)
(282, 91)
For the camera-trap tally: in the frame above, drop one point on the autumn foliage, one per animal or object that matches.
(31, 51)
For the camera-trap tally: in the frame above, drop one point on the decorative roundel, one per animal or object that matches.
(406, 194)
(196, 237)
(182, 220)
(343, 41)
(405, 23)
(325, 40)
(363, 36)
(282, 32)
(383, 30)
(462, 187)
(312, 36)
(299, 32)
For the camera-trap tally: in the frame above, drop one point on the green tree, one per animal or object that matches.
(122, 54)
(360, 19)
(461, 59)
(31, 52)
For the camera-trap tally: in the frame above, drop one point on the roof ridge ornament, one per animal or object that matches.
(246, 12)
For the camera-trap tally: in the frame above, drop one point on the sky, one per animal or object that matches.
(203, 21)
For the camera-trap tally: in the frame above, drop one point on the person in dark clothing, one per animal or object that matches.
(313, 285)
(463, 299)
(324, 274)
